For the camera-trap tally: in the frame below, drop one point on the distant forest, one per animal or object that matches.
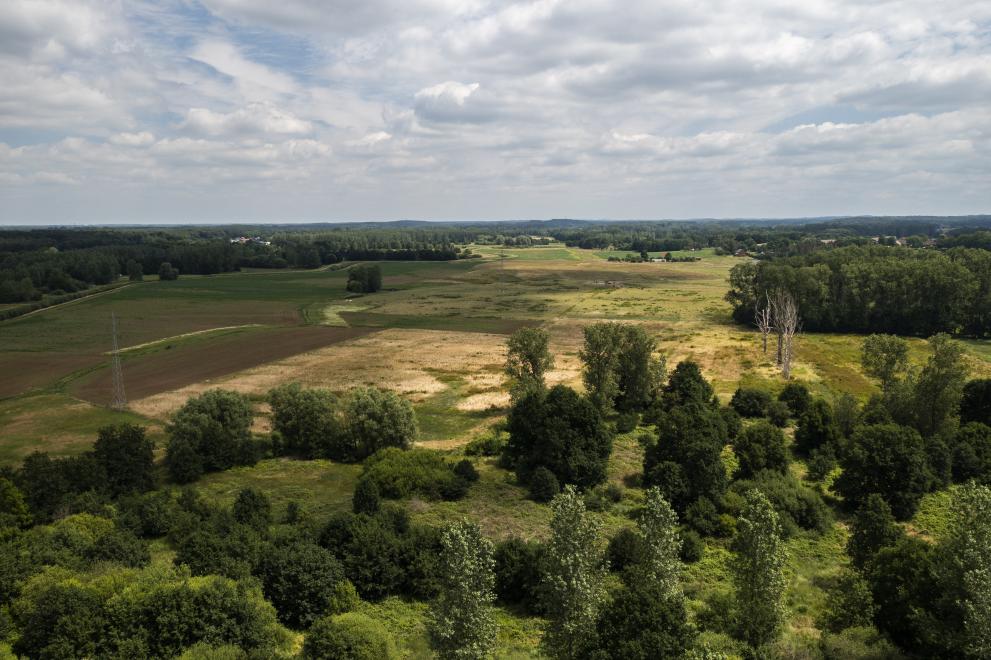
(910, 275)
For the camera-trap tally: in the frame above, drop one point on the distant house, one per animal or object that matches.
(740, 253)
(658, 260)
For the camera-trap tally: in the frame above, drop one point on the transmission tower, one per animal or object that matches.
(119, 401)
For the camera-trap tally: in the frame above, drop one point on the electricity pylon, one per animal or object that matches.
(119, 401)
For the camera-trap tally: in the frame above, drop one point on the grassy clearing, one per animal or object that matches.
(58, 424)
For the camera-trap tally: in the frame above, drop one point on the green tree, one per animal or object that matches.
(376, 419)
(884, 357)
(816, 428)
(658, 524)
(166, 272)
(889, 460)
(796, 396)
(301, 580)
(639, 373)
(561, 431)
(215, 426)
(14, 511)
(968, 545)
(758, 571)
(134, 271)
(252, 508)
(643, 622)
(939, 385)
(366, 498)
(307, 420)
(528, 359)
(364, 278)
(686, 461)
(975, 404)
(686, 385)
(600, 358)
(873, 528)
(573, 578)
(127, 457)
(462, 625)
(760, 446)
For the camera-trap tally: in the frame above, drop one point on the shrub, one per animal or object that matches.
(849, 603)
(796, 396)
(641, 623)
(543, 485)
(344, 599)
(349, 636)
(627, 421)
(626, 548)
(127, 457)
(797, 505)
(167, 273)
(760, 446)
(750, 402)
(490, 444)
(518, 573)
(300, 579)
(377, 419)
(691, 546)
(366, 497)
(253, 509)
(778, 414)
(148, 515)
(562, 432)
(120, 547)
(465, 470)
(821, 463)
(702, 516)
(857, 644)
(399, 474)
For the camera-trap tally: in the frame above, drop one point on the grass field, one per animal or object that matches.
(436, 334)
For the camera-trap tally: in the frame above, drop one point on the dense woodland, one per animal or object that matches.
(75, 564)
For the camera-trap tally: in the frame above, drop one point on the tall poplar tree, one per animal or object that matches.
(758, 570)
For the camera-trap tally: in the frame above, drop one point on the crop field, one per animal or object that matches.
(436, 334)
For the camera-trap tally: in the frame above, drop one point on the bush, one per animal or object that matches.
(796, 396)
(490, 444)
(127, 457)
(642, 623)
(349, 636)
(543, 485)
(760, 446)
(377, 419)
(626, 548)
(399, 474)
(750, 402)
(562, 432)
(849, 603)
(301, 580)
(518, 573)
(627, 421)
(167, 273)
(253, 509)
(692, 546)
(120, 547)
(466, 471)
(366, 498)
(857, 644)
(821, 463)
(797, 505)
(344, 599)
(778, 414)
(703, 517)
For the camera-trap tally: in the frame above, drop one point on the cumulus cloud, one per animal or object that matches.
(492, 108)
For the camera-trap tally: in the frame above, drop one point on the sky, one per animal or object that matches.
(115, 111)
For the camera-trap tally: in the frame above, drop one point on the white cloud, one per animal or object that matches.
(493, 108)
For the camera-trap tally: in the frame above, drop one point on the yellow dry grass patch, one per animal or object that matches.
(405, 361)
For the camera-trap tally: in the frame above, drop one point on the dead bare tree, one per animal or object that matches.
(763, 320)
(787, 322)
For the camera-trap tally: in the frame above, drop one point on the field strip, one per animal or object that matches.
(70, 302)
(184, 335)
